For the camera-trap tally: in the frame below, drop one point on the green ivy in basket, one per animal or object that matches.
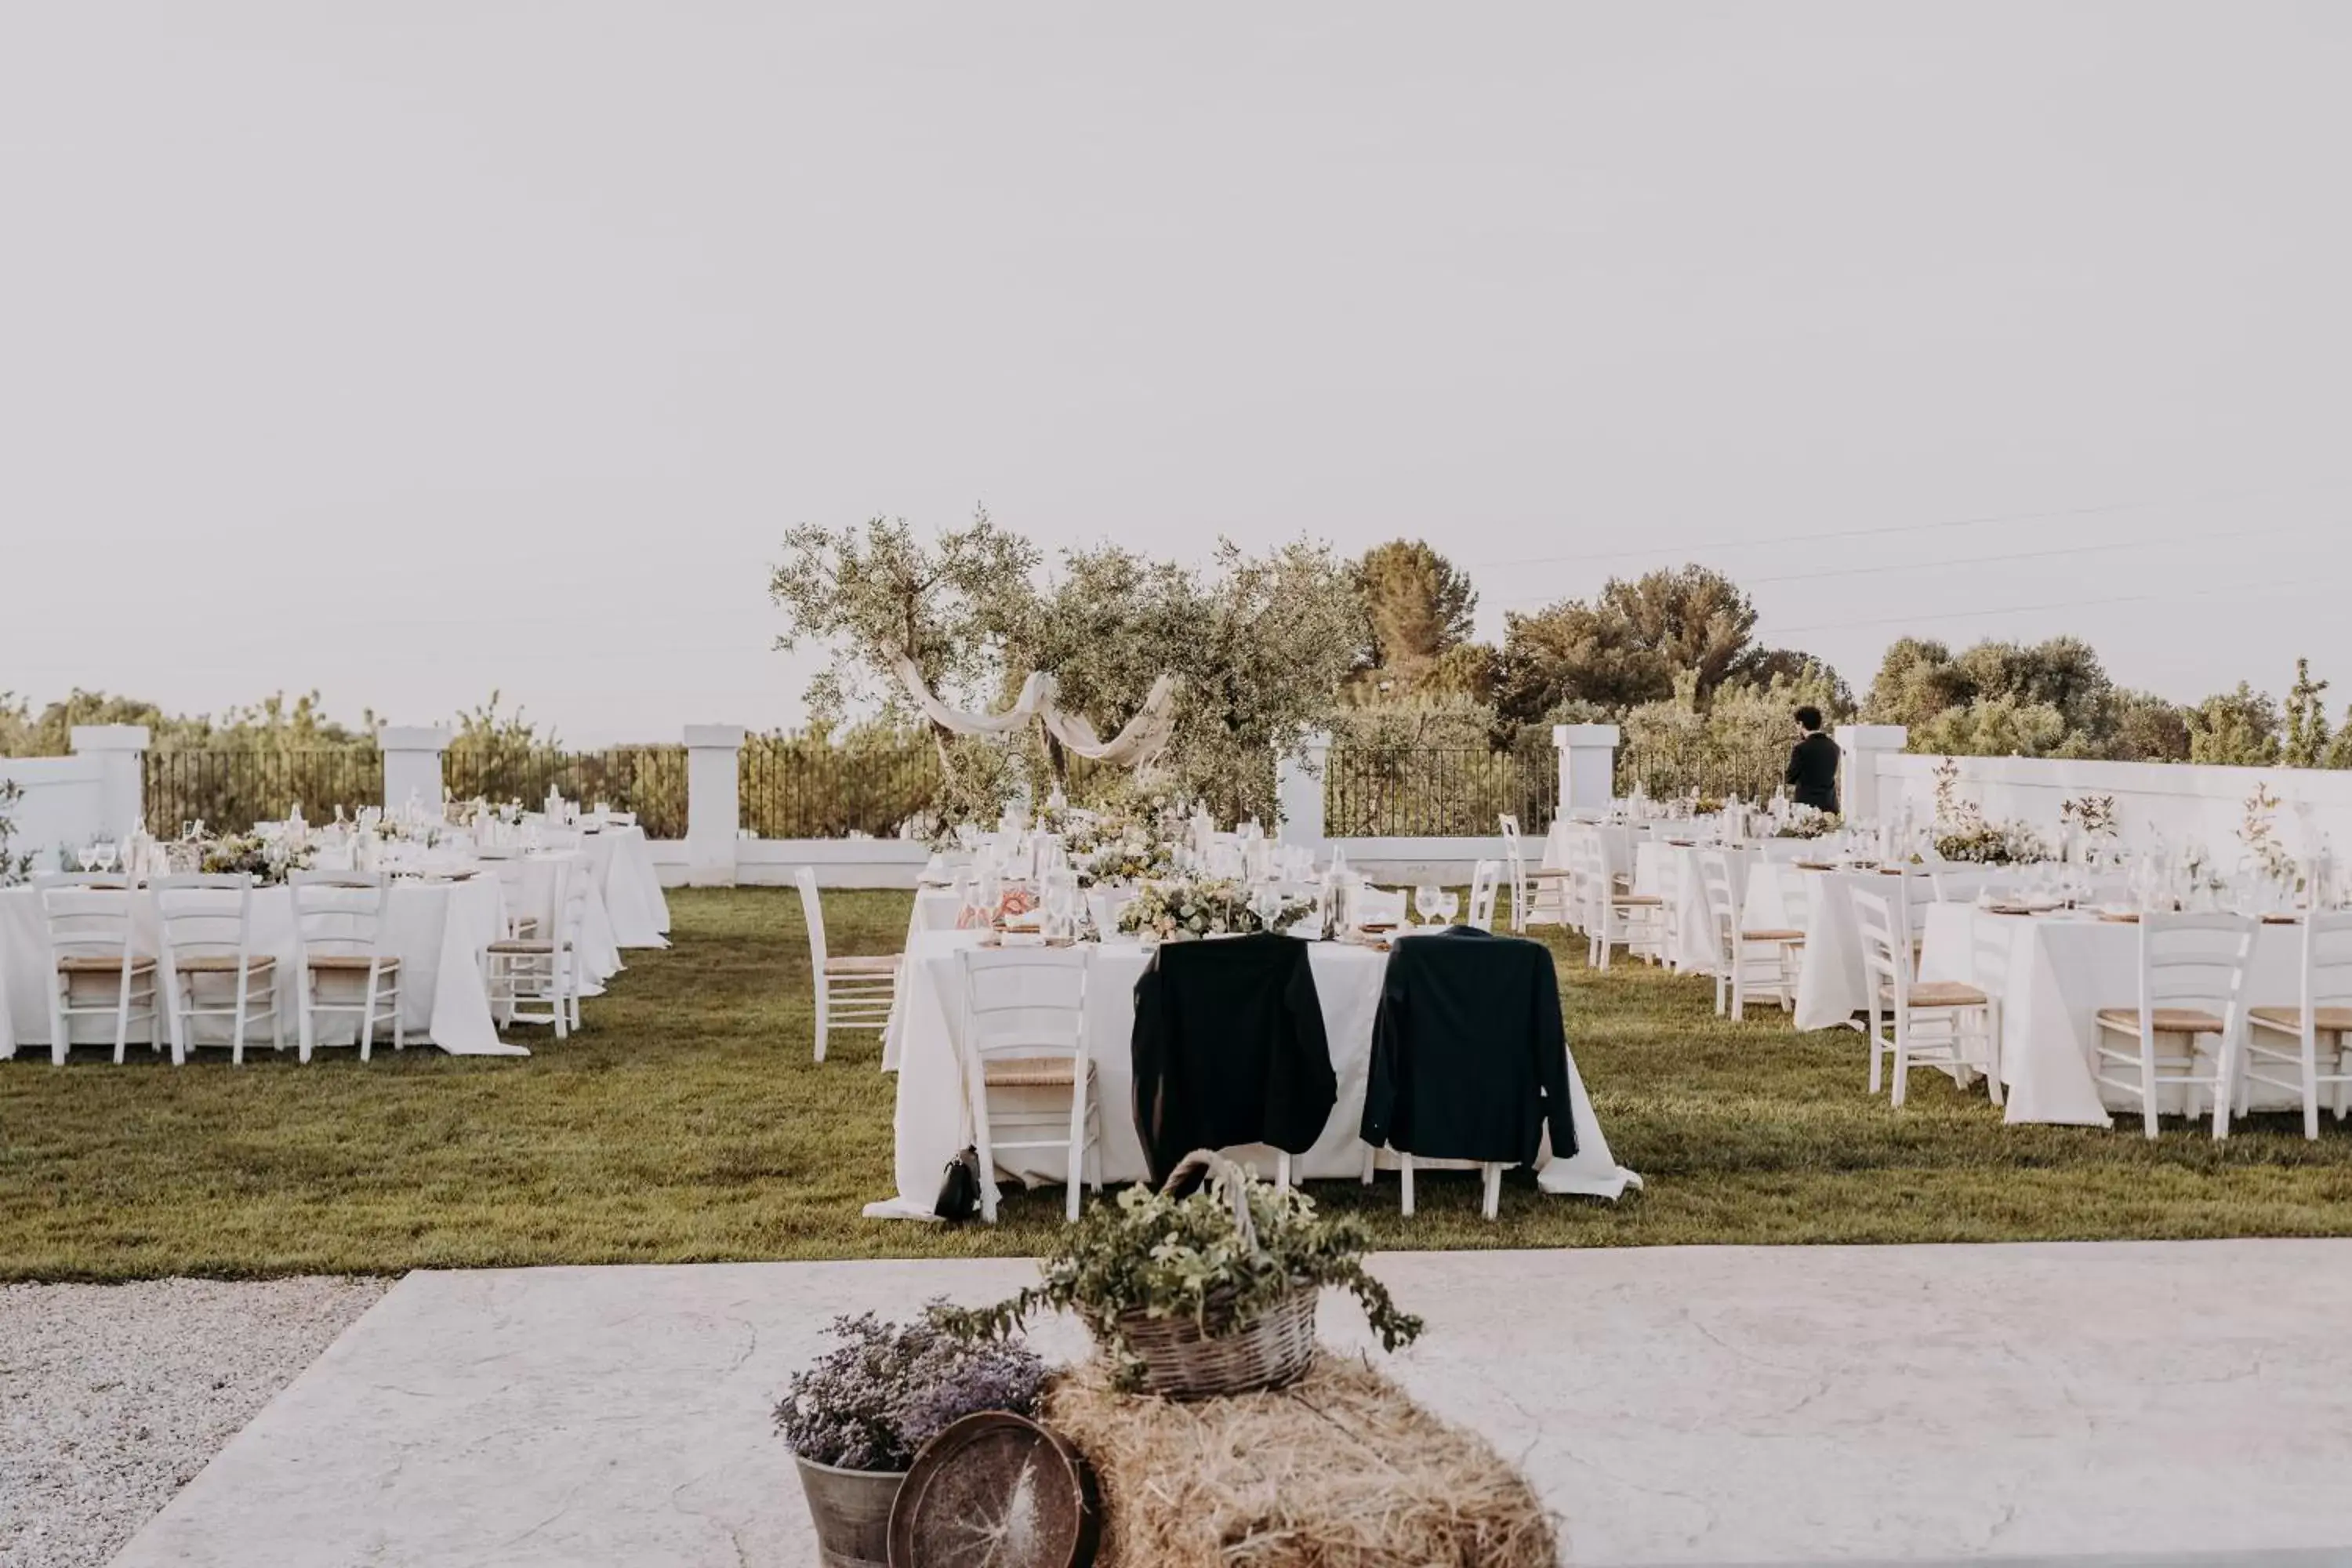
(1166, 1256)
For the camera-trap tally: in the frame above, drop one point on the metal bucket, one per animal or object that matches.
(852, 1512)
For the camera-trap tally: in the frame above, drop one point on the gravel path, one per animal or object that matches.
(113, 1397)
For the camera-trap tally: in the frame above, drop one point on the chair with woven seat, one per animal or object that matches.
(91, 925)
(1610, 918)
(2299, 1039)
(535, 978)
(1735, 948)
(205, 923)
(2192, 976)
(1934, 1023)
(339, 950)
(851, 993)
(1023, 1045)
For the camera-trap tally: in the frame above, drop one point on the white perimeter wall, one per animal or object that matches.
(2184, 802)
(64, 804)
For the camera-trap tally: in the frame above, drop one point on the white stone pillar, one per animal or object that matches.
(1859, 747)
(412, 765)
(713, 806)
(1588, 766)
(1298, 790)
(121, 753)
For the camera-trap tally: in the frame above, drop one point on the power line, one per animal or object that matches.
(1948, 522)
(1995, 560)
(2303, 585)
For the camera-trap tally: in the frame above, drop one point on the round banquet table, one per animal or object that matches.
(438, 930)
(2052, 974)
(928, 1121)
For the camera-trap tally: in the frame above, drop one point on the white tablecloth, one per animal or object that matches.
(930, 1121)
(631, 892)
(2060, 970)
(438, 930)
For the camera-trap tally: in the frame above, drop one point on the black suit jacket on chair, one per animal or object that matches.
(1228, 1048)
(1469, 1057)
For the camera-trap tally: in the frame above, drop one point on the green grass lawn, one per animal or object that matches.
(687, 1123)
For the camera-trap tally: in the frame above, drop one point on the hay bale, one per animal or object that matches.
(1341, 1470)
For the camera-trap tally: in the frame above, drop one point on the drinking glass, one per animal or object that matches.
(1449, 905)
(88, 854)
(1265, 902)
(1424, 902)
(107, 850)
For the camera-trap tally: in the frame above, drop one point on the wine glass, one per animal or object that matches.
(1449, 905)
(106, 850)
(87, 854)
(1424, 902)
(1265, 902)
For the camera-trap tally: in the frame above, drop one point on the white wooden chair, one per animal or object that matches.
(1989, 950)
(339, 931)
(851, 993)
(1610, 918)
(206, 924)
(1540, 895)
(1023, 1034)
(507, 863)
(1786, 941)
(536, 979)
(1737, 960)
(2297, 1040)
(1485, 881)
(1932, 1022)
(1516, 861)
(91, 928)
(2192, 976)
(1490, 1175)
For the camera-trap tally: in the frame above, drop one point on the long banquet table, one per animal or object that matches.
(2051, 973)
(928, 1119)
(438, 930)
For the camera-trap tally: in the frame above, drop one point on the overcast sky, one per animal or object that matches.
(410, 350)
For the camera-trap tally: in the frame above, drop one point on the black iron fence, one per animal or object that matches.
(231, 791)
(1668, 767)
(1435, 792)
(791, 786)
(648, 780)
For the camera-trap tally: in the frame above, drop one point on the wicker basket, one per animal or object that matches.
(1184, 1359)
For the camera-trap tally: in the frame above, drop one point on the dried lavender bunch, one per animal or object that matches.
(890, 1388)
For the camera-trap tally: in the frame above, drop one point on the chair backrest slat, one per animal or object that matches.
(813, 914)
(200, 914)
(1485, 879)
(339, 913)
(1027, 1001)
(87, 914)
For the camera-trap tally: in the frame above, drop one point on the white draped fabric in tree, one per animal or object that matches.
(1147, 734)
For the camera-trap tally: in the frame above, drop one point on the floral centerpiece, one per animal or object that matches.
(1130, 1269)
(1807, 823)
(1982, 843)
(1188, 907)
(1964, 836)
(855, 1420)
(266, 860)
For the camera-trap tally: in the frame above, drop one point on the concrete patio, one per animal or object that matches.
(2124, 1402)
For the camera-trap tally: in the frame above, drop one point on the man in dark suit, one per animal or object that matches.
(1812, 776)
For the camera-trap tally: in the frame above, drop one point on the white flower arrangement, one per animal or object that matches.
(1188, 909)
